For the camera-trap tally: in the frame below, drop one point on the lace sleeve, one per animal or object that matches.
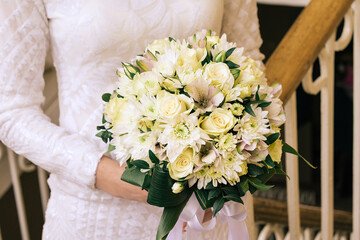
(23, 126)
(241, 25)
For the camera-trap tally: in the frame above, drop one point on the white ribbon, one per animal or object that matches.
(232, 213)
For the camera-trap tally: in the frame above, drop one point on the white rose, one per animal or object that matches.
(220, 121)
(219, 75)
(115, 110)
(171, 105)
(183, 165)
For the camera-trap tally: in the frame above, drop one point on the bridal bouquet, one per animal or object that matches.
(194, 116)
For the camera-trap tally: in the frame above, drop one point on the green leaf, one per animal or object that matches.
(257, 101)
(269, 162)
(254, 170)
(231, 64)
(243, 186)
(111, 148)
(218, 205)
(146, 183)
(133, 175)
(235, 73)
(106, 97)
(140, 164)
(214, 193)
(100, 127)
(169, 218)
(153, 157)
(272, 138)
(99, 134)
(210, 186)
(257, 97)
(172, 39)
(287, 148)
(230, 190)
(160, 193)
(103, 119)
(235, 198)
(229, 52)
(281, 172)
(259, 185)
(264, 104)
(202, 197)
(249, 110)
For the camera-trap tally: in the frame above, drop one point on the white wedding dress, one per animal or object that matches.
(88, 40)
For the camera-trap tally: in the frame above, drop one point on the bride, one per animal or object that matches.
(88, 40)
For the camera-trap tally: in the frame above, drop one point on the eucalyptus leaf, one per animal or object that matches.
(287, 148)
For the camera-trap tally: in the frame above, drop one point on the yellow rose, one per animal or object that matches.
(183, 165)
(219, 75)
(218, 122)
(187, 61)
(250, 73)
(171, 105)
(275, 151)
(114, 110)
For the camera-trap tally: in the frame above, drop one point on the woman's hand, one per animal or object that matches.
(108, 175)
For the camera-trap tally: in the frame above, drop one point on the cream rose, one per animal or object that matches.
(219, 75)
(171, 105)
(250, 73)
(275, 151)
(114, 110)
(183, 165)
(218, 122)
(187, 61)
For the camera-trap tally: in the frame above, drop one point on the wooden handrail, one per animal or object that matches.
(303, 43)
(274, 211)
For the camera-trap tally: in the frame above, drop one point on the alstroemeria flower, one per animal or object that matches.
(206, 97)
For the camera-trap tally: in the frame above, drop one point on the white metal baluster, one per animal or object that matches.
(327, 143)
(292, 169)
(44, 191)
(18, 195)
(356, 146)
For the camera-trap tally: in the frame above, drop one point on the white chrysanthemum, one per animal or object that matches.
(180, 133)
(165, 64)
(226, 142)
(127, 118)
(150, 107)
(253, 129)
(138, 144)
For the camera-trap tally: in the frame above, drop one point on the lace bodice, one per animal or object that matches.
(88, 40)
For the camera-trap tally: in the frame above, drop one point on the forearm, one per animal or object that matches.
(108, 176)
